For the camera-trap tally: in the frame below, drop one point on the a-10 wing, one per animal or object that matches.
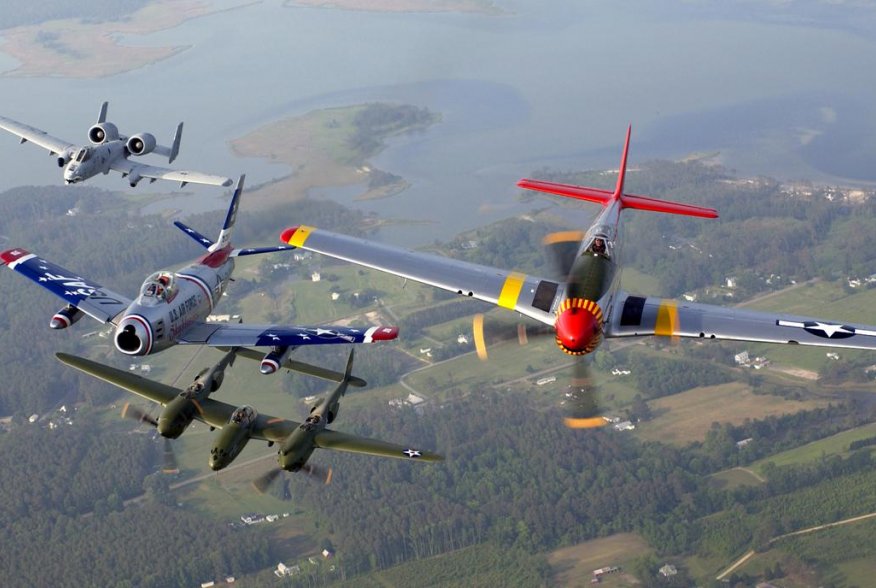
(133, 169)
(531, 296)
(35, 136)
(636, 316)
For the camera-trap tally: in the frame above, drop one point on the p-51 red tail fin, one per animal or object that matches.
(605, 197)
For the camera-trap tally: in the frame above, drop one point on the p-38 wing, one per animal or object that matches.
(626, 315)
(217, 414)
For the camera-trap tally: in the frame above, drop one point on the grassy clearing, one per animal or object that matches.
(834, 445)
(573, 566)
(686, 417)
(734, 478)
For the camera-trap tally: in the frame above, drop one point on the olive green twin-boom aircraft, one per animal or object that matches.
(239, 424)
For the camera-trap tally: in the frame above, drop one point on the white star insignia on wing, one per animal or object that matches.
(412, 453)
(829, 329)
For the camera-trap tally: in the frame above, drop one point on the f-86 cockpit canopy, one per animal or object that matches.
(159, 287)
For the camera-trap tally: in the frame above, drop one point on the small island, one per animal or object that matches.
(86, 49)
(331, 147)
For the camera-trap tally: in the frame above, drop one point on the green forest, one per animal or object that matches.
(515, 486)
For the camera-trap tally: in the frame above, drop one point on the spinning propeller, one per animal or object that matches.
(313, 472)
(577, 330)
(169, 464)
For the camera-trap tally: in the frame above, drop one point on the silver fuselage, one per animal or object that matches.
(153, 323)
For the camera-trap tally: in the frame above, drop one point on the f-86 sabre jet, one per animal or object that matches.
(172, 306)
(109, 151)
(239, 424)
(587, 304)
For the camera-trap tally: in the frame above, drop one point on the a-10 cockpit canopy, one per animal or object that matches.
(82, 155)
(159, 287)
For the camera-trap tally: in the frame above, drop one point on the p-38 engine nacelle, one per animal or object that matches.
(103, 132)
(141, 144)
(65, 317)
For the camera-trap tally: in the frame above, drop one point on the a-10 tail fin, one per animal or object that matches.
(606, 197)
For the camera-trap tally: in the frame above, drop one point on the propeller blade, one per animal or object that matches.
(317, 473)
(561, 248)
(499, 331)
(170, 465)
(263, 482)
(582, 411)
(138, 414)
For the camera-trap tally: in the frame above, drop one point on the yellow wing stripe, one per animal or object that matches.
(667, 319)
(301, 235)
(511, 290)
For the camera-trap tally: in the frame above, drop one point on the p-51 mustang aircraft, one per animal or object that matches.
(296, 441)
(172, 306)
(587, 305)
(110, 151)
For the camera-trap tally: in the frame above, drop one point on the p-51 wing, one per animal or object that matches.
(138, 170)
(89, 297)
(35, 136)
(237, 335)
(531, 296)
(636, 315)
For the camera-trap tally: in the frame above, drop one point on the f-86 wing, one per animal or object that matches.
(237, 335)
(636, 315)
(89, 297)
(135, 171)
(531, 296)
(35, 136)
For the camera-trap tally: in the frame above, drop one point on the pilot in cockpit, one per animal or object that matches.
(599, 247)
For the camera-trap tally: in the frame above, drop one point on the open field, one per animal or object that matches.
(573, 566)
(834, 445)
(686, 417)
(735, 478)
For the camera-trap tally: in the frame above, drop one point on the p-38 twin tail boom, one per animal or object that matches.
(172, 306)
(109, 151)
(587, 304)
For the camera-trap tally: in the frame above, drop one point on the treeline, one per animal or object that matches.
(21, 12)
(657, 377)
(148, 546)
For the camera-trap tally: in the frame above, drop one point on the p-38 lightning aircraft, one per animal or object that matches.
(587, 305)
(172, 306)
(239, 424)
(110, 151)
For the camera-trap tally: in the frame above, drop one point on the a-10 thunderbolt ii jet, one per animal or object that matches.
(238, 424)
(586, 305)
(110, 151)
(172, 306)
